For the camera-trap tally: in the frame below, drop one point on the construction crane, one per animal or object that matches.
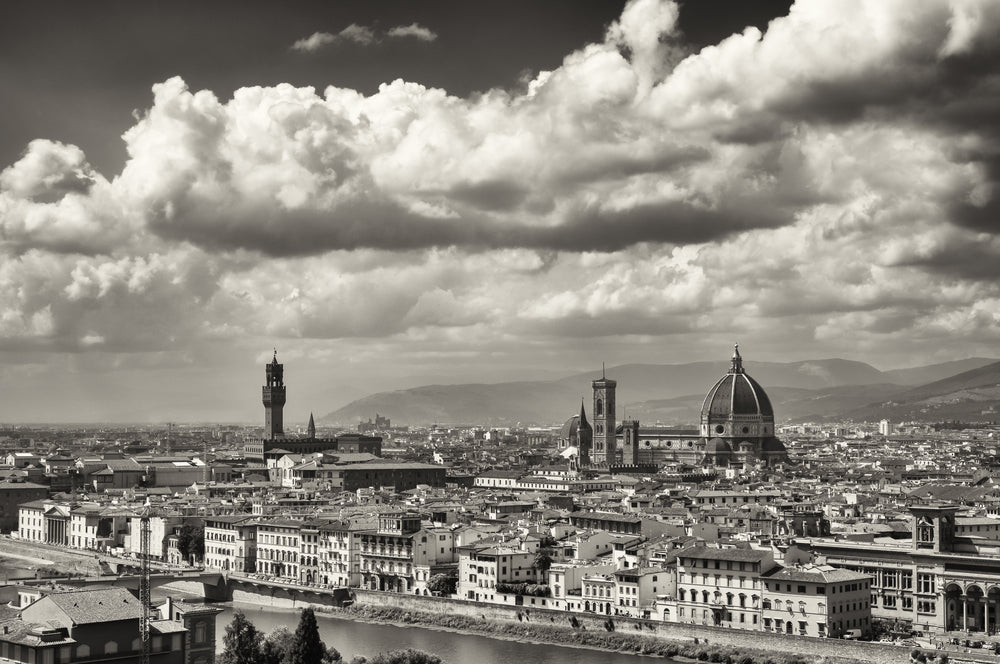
(145, 597)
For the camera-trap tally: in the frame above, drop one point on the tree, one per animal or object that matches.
(543, 560)
(191, 541)
(276, 646)
(408, 656)
(242, 642)
(443, 583)
(307, 647)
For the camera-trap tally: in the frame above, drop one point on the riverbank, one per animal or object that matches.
(610, 639)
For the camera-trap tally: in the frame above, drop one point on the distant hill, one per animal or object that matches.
(934, 372)
(970, 395)
(790, 403)
(809, 390)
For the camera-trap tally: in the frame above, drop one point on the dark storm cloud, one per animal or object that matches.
(965, 260)
(673, 222)
(499, 195)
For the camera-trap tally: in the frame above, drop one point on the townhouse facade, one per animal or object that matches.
(231, 543)
(482, 568)
(278, 548)
(401, 555)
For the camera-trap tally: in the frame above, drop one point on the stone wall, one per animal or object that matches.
(878, 653)
(291, 597)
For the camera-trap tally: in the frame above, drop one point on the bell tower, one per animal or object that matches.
(605, 445)
(274, 399)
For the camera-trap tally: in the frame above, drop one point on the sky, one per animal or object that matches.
(400, 193)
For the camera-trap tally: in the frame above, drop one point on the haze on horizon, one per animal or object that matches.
(410, 193)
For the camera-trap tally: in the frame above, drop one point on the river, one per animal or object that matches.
(368, 639)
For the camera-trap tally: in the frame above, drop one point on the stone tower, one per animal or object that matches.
(274, 399)
(605, 443)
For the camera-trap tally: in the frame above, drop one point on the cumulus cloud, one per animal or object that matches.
(414, 30)
(831, 180)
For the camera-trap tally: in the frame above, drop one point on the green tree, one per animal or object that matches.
(242, 642)
(408, 656)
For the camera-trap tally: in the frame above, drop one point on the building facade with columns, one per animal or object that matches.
(936, 581)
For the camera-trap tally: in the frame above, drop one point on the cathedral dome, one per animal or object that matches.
(574, 426)
(737, 394)
(569, 429)
(737, 405)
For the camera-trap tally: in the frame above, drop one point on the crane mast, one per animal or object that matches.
(145, 600)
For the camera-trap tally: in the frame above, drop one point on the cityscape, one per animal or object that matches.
(507, 332)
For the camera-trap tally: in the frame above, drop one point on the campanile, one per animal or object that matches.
(605, 443)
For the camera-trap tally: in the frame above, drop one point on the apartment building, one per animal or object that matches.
(721, 586)
(482, 566)
(231, 543)
(339, 564)
(278, 548)
(817, 600)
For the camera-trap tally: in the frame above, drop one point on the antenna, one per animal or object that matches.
(603, 375)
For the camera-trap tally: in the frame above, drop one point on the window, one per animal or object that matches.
(925, 583)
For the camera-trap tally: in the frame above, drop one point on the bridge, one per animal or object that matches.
(214, 583)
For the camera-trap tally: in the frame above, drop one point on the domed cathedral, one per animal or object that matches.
(737, 421)
(576, 439)
(736, 429)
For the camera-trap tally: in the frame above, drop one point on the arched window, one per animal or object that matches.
(682, 594)
(82, 650)
(599, 408)
(111, 648)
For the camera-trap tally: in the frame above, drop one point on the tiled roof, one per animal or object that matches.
(816, 574)
(94, 606)
(710, 553)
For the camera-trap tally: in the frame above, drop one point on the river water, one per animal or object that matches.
(368, 639)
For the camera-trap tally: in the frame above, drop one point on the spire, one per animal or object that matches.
(311, 429)
(274, 360)
(603, 375)
(737, 360)
(583, 415)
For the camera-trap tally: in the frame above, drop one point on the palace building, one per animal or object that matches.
(273, 444)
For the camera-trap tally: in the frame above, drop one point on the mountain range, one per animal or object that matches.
(811, 390)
